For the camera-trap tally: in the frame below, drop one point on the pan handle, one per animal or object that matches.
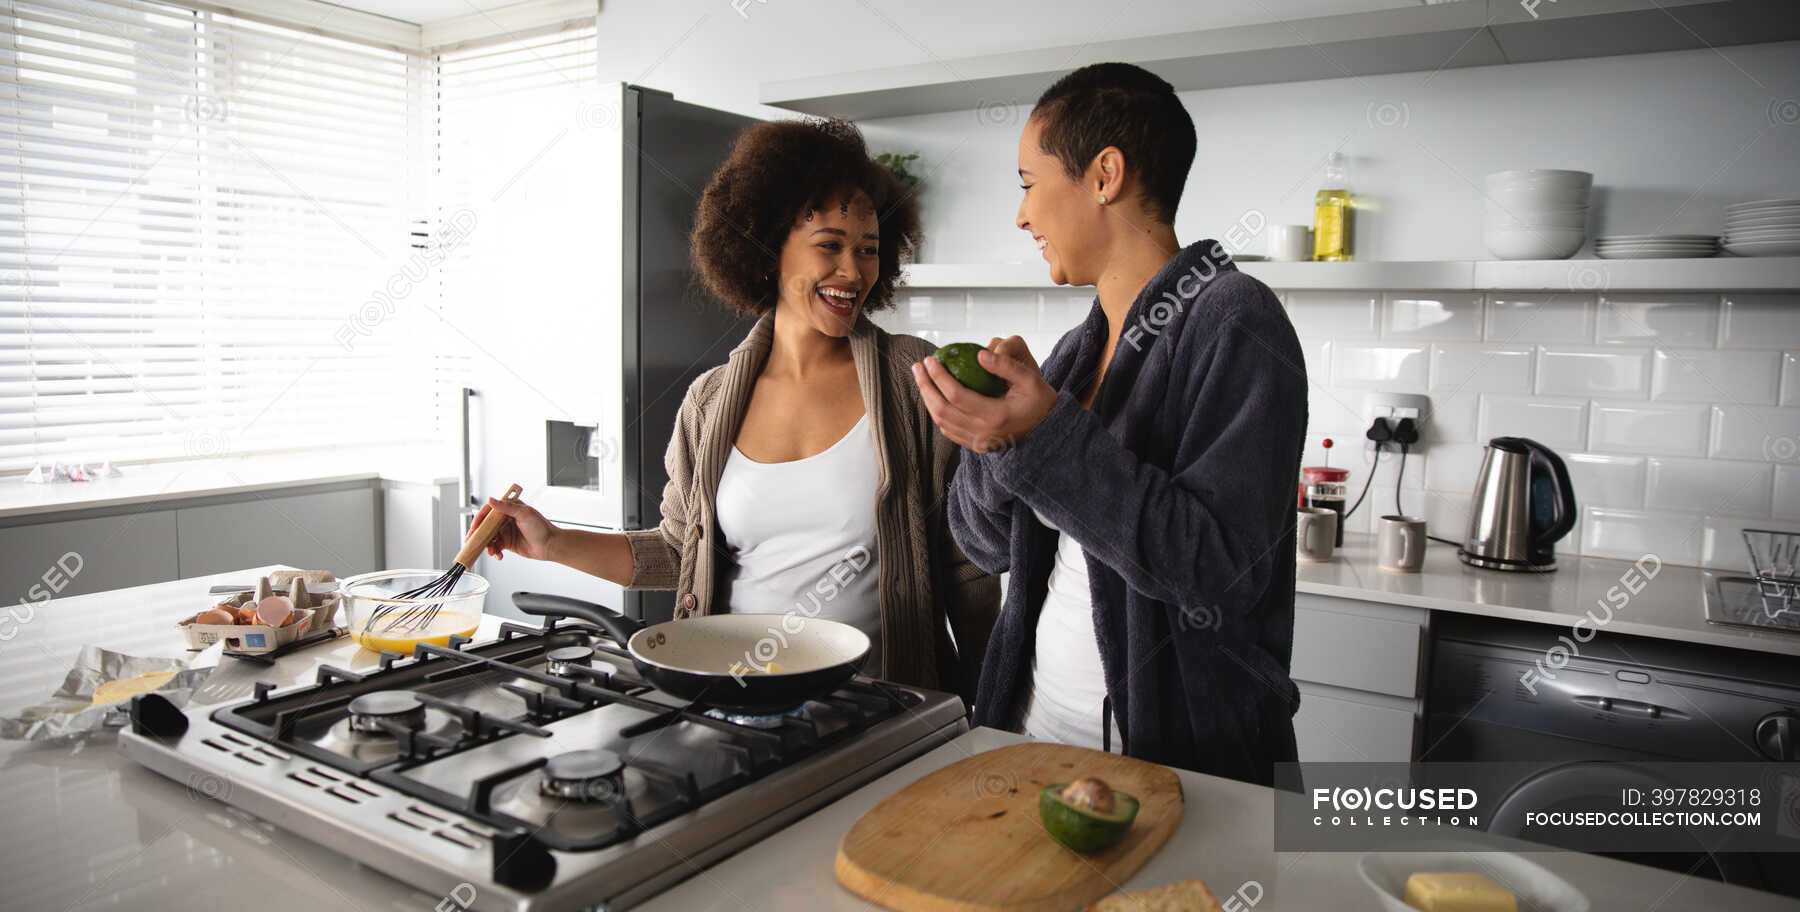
(618, 626)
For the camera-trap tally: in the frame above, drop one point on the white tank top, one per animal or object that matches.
(1068, 682)
(802, 535)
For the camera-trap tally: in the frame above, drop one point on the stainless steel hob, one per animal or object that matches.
(533, 771)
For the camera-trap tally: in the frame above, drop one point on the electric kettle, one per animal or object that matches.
(1523, 505)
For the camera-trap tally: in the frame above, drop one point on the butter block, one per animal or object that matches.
(1462, 891)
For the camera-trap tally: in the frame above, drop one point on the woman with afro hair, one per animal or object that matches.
(805, 476)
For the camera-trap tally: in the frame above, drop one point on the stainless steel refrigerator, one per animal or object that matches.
(594, 328)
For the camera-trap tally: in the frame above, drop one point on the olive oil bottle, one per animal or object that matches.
(1334, 214)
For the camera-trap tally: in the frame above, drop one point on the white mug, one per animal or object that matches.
(1400, 547)
(1315, 531)
(1290, 243)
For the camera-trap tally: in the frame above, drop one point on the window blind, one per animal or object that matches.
(208, 236)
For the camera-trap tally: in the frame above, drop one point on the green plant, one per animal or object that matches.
(899, 163)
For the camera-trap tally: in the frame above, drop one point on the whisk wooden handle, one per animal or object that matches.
(484, 533)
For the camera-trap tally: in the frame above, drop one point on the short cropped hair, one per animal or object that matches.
(1118, 104)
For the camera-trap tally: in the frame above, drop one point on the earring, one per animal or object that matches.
(1102, 199)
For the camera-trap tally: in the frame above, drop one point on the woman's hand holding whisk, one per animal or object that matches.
(525, 532)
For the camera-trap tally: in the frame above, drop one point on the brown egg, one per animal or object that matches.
(274, 611)
(214, 616)
(246, 614)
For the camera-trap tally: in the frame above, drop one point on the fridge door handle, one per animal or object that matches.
(466, 507)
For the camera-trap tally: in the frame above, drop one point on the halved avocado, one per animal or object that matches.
(1082, 828)
(961, 360)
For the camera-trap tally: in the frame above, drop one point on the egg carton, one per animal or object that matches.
(315, 613)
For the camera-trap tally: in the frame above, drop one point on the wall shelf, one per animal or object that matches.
(1576, 276)
(1425, 38)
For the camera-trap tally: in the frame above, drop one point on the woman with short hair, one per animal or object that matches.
(1140, 487)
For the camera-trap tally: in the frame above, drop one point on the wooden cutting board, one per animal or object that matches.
(969, 837)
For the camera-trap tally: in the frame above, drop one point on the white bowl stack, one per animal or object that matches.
(1763, 228)
(1536, 214)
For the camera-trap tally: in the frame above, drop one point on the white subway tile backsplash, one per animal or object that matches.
(1752, 432)
(1630, 534)
(1760, 321)
(1453, 417)
(1722, 540)
(1545, 317)
(1446, 515)
(1710, 486)
(1675, 430)
(1333, 314)
(1063, 311)
(1376, 366)
(1570, 371)
(1787, 492)
(1691, 320)
(1678, 415)
(1318, 360)
(1473, 367)
(1606, 481)
(926, 310)
(1431, 315)
(1389, 471)
(1748, 377)
(1335, 413)
(1001, 312)
(1558, 424)
(1453, 466)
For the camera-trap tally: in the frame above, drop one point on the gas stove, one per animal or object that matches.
(531, 771)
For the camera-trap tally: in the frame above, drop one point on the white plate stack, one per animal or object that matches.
(1655, 246)
(1536, 214)
(1763, 228)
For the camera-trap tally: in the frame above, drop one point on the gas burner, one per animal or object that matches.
(376, 713)
(559, 661)
(583, 775)
(770, 720)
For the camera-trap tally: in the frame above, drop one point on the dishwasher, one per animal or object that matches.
(1622, 698)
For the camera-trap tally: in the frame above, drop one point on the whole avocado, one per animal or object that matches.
(960, 359)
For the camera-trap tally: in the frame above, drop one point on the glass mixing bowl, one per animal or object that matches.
(379, 620)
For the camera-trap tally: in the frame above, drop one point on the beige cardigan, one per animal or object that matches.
(925, 582)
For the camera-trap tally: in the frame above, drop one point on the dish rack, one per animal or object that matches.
(1773, 559)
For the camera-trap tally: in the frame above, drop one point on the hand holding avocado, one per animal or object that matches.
(972, 412)
(962, 359)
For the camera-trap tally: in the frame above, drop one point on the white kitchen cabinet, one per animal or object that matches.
(1360, 668)
(336, 530)
(1358, 645)
(1339, 725)
(109, 552)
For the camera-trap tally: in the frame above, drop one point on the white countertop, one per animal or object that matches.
(1225, 839)
(150, 482)
(1669, 606)
(87, 829)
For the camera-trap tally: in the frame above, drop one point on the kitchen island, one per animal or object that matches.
(88, 829)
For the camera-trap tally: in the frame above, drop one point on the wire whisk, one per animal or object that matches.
(416, 609)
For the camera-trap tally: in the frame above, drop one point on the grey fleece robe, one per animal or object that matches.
(1179, 487)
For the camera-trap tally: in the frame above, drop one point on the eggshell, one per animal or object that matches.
(246, 614)
(214, 616)
(274, 610)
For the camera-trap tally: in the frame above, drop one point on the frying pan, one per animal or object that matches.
(692, 658)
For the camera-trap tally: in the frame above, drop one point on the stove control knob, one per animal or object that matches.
(1778, 736)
